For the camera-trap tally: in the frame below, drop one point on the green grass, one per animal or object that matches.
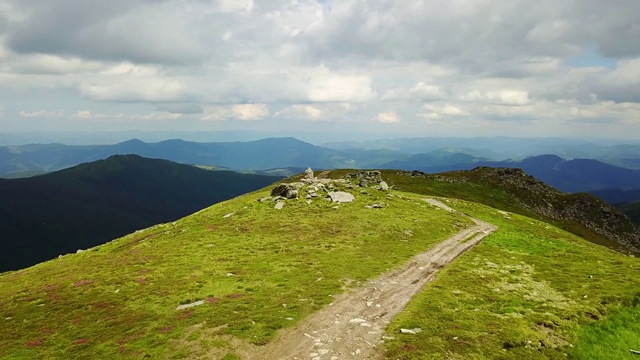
(258, 271)
(611, 338)
(528, 291)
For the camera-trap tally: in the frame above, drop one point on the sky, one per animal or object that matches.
(386, 67)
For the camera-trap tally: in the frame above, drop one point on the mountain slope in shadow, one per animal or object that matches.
(45, 216)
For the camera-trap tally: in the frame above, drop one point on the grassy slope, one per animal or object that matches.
(258, 270)
(521, 294)
(526, 282)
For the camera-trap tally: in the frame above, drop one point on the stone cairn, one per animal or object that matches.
(314, 186)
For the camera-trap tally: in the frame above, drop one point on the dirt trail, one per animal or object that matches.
(353, 325)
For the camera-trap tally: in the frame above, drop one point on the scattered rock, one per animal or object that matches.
(288, 191)
(364, 178)
(266, 198)
(79, 251)
(193, 304)
(279, 205)
(309, 202)
(383, 186)
(411, 331)
(341, 197)
(228, 215)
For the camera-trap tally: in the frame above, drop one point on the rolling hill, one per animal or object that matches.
(60, 212)
(238, 279)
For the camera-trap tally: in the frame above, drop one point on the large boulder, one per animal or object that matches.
(289, 191)
(341, 197)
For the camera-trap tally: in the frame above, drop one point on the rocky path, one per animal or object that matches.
(353, 325)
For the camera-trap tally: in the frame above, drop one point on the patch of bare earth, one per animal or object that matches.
(352, 327)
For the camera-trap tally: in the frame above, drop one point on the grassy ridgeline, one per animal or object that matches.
(257, 271)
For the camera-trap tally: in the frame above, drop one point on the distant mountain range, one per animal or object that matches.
(253, 155)
(287, 156)
(577, 175)
(83, 206)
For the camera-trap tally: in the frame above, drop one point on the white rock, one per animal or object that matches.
(341, 197)
(279, 205)
(357, 321)
(228, 215)
(187, 306)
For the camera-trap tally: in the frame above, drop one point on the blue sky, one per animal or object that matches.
(391, 68)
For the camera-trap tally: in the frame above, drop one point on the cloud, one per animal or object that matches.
(83, 114)
(389, 117)
(326, 86)
(304, 111)
(41, 113)
(181, 108)
(500, 97)
(246, 112)
(350, 62)
(441, 110)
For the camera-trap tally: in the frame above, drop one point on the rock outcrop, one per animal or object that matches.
(287, 191)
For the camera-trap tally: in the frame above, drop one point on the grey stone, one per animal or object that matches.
(383, 186)
(341, 197)
(279, 205)
(308, 174)
(289, 191)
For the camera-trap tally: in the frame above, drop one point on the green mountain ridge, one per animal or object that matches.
(229, 280)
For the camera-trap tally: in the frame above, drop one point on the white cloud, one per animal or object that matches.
(388, 117)
(245, 6)
(303, 111)
(326, 86)
(237, 112)
(130, 89)
(502, 97)
(83, 114)
(250, 111)
(41, 113)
